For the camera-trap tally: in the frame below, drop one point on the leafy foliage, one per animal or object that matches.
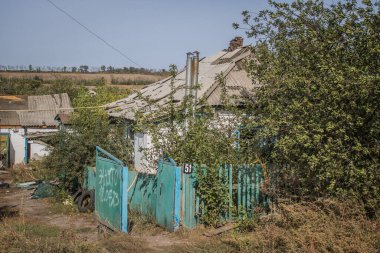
(37, 86)
(198, 135)
(74, 149)
(319, 105)
(212, 190)
(190, 134)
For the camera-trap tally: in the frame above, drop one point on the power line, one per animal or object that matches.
(93, 33)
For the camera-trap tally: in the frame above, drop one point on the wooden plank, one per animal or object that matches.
(221, 230)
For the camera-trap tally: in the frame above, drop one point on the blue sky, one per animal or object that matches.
(154, 33)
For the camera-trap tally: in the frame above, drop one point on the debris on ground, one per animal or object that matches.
(4, 185)
(221, 230)
(28, 185)
(43, 190)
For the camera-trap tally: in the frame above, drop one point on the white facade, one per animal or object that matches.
(17, 144)
(142, 142)
(145, 161)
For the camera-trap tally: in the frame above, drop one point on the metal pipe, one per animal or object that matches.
(195, 78)
(187, 86)
(188, 73)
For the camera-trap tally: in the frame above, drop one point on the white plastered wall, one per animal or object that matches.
(17, 144)
(142, 142)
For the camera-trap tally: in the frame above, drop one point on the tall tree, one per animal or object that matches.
(319, 66)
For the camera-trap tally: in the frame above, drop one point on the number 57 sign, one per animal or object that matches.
(187, 168)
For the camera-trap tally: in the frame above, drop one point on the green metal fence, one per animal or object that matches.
(142, 194)
(188, 210)
(158, 195)
(89, 182)
(111, 195)
(170, 196)
(243, 184)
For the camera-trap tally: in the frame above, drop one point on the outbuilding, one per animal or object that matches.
(24, 120)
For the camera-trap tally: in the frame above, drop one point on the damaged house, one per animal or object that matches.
(24, 120)
(229, 63)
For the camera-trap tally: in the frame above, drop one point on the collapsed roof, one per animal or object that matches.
(229, 63)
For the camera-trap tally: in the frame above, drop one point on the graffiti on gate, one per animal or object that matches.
(108, 178)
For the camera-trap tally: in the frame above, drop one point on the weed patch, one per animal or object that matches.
(17, 235)
(143, 224)
(35, 170)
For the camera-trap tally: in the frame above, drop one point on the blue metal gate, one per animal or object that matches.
(158, 195)
(111, 194)
(168, 194)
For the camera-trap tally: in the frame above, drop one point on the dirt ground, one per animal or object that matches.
(42, 225)
(16, 203)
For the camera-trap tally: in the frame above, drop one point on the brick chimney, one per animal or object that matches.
(235, 43)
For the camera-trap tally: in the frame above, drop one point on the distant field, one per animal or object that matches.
(120, 80)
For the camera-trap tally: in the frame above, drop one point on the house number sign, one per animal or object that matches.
(187, 168)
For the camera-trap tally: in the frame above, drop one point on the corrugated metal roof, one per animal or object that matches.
(222, 62)
(45, 118)
(9, 119)
(13, 102)
(49, 101)
(54, 103)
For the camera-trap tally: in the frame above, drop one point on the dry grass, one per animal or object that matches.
(18, 235)
(143, 225)
(125, 243)
(322, 226)
(30, 172)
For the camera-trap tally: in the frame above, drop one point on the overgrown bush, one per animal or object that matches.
(122, 81)
(34, 170)
(318, 108)
(200, 136)
(37, 86)
(74, 148)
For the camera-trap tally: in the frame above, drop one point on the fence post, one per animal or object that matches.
(197, 200)
(230, 192)
(221, 181)
(248, 170)
(257, 184)
(124, 198)
(239, 191)
(253, 202)
(261, 182)
(177, 198)
(226, 181)
(244, 184)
